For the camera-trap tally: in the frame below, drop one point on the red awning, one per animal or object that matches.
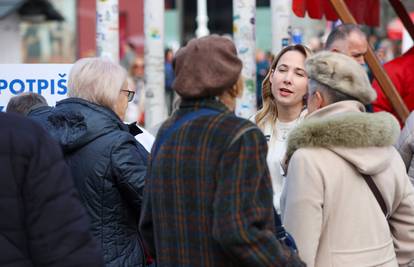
(364, 12)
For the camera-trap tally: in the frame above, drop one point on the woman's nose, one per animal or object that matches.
(287, 78)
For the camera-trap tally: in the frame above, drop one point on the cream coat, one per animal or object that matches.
(405, 146)
(328, 207)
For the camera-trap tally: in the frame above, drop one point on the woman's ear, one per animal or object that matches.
(271, 76)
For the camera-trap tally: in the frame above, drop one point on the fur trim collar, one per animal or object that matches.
(348, 129)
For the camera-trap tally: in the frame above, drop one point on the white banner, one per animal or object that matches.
(49, 80)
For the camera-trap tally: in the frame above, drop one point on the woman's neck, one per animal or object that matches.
(288, 114)
(228, 100)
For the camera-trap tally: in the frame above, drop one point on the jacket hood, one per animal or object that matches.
(362, 139)
(76, 122)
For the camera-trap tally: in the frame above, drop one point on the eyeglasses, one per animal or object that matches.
(130, 95)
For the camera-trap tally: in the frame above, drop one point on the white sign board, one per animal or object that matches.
(49, 80)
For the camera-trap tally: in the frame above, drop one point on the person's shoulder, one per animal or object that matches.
(302, 153)
(253, 118)
(19, 125)
(312, 155)
(239, 122)
(117, 136)
(20, 135)
(237, 127)
(120, 138)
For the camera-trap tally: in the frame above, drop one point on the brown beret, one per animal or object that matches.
(341, 73)
(206, 66)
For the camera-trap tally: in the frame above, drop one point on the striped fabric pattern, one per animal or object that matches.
(208, 195)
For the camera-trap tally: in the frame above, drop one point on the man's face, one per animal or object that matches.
(355, 46)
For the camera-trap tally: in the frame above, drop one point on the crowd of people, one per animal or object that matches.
(79, 189)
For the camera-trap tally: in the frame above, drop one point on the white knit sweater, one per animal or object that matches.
(277, 141)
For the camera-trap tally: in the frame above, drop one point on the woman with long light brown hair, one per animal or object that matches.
(284, 107)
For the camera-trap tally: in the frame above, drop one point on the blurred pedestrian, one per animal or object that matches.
(43, 222)
(107, 163)
(284, 98)
(208, 195)
(348, 200)
(269, 57)
(315, 44)
(30, 104)
(129, 55)
(25, 103)
(262, 66)
(169, 79)
(373, 40)
(136, 107)
(384, 51)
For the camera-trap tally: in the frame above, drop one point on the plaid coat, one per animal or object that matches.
(208, 194)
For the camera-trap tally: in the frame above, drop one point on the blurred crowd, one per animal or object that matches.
(385, 49)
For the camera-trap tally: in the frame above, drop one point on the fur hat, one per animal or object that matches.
(341, 73)
(206, 66)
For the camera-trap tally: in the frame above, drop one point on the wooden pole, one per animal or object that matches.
(374, 64)
(404, 16)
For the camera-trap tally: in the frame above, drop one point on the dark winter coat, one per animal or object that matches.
(108, 166)
(208, 197)
(40, 114)
(42, 222)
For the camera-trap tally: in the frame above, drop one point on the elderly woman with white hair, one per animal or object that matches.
(107, 163)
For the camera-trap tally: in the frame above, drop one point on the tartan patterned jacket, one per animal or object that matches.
(208, 194)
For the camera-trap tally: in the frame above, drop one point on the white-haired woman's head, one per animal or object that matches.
(100, 81)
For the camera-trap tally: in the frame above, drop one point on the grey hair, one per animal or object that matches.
(341, 33)
(25, 102)
(330, 94)
(98, 80)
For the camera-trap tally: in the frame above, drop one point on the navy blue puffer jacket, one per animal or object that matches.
(109, 168)
(42, 222)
